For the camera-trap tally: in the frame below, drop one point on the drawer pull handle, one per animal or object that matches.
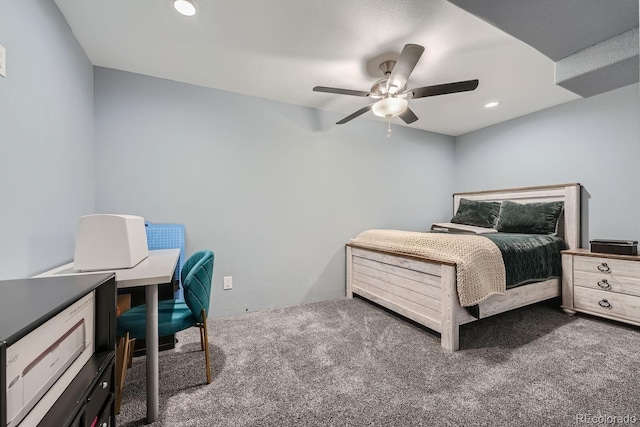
(604, 284)
(604, 267)
(604, 303)
(104, 384)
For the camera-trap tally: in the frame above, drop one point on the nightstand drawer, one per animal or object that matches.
(607, 282)
(607, 303)
(615, 267)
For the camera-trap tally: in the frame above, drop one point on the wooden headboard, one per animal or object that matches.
(569, 226)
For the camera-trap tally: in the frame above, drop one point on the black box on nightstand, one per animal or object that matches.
(620, 247)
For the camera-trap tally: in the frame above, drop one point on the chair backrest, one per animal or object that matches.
(196, 276)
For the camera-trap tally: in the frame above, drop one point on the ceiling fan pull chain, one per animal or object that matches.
(389, 128)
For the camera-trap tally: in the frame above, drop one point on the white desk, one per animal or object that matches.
(158, 268)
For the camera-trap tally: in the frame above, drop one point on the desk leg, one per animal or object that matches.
(151, 293)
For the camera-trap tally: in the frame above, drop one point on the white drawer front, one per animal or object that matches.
(607, 282)
(616, 267)
(608, 303)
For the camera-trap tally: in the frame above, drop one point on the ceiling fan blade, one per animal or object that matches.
(443, 89)
(340, 91)
(409, 57)
(354, 115)
(408, 116)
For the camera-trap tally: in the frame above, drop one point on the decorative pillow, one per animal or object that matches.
(529, 218)
(479, 214)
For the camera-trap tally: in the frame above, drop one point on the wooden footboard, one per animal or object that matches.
(425, 291)
(421, 290)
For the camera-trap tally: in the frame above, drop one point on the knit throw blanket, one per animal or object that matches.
(479, 266)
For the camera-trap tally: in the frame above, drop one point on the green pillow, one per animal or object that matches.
(479, 214)
(529, 218)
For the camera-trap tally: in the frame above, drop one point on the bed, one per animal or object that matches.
(424, 288)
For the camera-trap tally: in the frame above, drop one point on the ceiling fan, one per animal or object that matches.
(391, 91)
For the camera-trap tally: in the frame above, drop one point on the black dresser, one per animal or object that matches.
(28, 309)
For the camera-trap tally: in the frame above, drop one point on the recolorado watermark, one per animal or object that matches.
(606, 419)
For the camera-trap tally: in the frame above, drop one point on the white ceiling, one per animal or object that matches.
(281, 49)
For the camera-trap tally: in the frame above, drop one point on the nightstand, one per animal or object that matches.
(605, 285)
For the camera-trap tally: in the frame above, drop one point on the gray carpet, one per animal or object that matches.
(350, 363)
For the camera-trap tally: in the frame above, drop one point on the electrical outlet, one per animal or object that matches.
(228, 284)
(3, 61)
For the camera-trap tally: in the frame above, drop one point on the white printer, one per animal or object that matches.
(110, 242)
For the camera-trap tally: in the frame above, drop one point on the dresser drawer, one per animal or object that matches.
(99, 396)
(104, 418)
(607, 303)
(607, 282)
(614, 267)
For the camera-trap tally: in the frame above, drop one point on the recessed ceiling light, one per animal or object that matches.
(185, 7)
(492, 104)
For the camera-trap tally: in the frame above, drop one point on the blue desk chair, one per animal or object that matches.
(173, 315)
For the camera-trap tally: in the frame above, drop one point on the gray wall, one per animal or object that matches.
(275, 190)
(46, 138)
(594, 141)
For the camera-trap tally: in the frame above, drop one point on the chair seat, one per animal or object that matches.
(173, 316)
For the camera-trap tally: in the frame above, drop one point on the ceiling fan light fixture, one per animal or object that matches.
(492, 104)
(390, 92)
(185, 7)
(390, 107)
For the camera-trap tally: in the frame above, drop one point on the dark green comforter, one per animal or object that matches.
(529, 257)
